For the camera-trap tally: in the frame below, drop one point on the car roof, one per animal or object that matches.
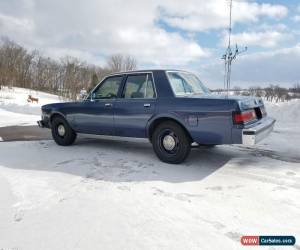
(144, 71)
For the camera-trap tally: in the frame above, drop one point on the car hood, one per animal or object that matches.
(52, 106)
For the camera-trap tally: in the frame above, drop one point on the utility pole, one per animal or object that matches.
(229, 55)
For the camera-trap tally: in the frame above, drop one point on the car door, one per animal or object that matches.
(135, 106)
(96, 114)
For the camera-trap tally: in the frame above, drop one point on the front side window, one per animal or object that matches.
(184, 84)
(139, 86)
(108, 89)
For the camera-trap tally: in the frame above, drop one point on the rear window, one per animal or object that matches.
(184, 84)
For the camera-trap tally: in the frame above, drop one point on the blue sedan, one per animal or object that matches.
(172, 108)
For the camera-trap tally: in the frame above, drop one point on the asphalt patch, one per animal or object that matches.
(24, 133)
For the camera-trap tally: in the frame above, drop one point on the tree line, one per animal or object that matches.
(65, 77)
(20, 67)
(272, 92)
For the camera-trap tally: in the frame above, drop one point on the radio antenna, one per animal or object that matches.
(229, 55)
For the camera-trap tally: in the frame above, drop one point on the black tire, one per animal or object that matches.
(69, 136)
(164, 137)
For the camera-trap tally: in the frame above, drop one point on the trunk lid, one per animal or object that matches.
(244, 104)
(248, 102)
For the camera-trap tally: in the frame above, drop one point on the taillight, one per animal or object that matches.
(244, 117)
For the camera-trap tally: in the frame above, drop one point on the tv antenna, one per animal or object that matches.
(230, 55)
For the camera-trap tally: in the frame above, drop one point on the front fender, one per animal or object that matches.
(58, 112)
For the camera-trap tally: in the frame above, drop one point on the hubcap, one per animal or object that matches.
(61, 130)
(169, 142)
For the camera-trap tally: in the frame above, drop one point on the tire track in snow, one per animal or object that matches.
(269, 153)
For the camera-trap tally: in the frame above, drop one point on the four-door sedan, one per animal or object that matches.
(172, 108)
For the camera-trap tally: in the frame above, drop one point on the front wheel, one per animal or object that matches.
(171, 143)
(62, 133)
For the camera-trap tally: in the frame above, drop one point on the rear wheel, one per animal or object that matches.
(62, 133)
(171, 143)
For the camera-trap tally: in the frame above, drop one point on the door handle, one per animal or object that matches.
(147, 105)
(108, 105)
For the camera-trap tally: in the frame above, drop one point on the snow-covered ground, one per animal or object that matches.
(16, 110)
(286, 136)
(110, 194)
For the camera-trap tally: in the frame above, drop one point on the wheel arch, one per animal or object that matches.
(56, 114)
(158, 120)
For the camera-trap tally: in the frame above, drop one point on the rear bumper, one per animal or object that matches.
(253, 135)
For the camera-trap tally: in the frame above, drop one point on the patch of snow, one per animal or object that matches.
(113, 194)
(8, 118)
(286, 136)
(19, 96)
(16, 110)
(286, 113)
(118, 195)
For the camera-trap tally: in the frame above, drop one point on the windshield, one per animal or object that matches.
(185, 84)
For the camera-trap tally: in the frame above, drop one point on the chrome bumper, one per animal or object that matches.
(253, 135)
(41, 124)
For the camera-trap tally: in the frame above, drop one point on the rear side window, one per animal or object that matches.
(139, 86)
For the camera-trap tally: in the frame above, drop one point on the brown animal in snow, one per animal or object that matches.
(32, 99)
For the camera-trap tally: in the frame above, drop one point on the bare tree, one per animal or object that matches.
(16, 64)
(119, 62)
(22, 68)
(296, 88)
(237, 90)
(129, 63)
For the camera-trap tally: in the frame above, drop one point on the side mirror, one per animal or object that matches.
(91, 97)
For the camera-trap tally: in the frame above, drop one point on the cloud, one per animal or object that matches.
(15, 26)
(296, 18)
(202, 15)
(265, 39)
(279, 66)
(98, 29)
(59, 53)
(163, 48)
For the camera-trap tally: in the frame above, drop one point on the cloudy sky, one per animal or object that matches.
(188, 34)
